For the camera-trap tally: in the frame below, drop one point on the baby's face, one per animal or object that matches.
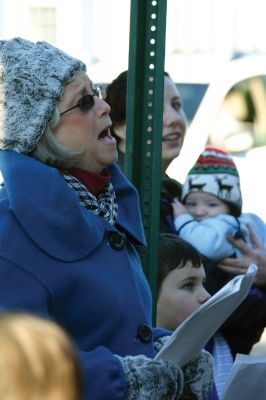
(181, 293)
(204, 205)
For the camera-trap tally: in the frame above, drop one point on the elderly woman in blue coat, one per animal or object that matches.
(69, 224)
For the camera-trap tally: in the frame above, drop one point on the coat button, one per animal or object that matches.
(116, 241)
(144, 333)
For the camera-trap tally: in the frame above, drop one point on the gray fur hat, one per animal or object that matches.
(32, 81)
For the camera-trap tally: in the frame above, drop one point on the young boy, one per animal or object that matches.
(180, 281)
(211, 207)
(180, 291)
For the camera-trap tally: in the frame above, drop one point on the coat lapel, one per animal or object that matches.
(49, 211)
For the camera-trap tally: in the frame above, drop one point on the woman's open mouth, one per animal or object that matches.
(172, 137)
(106, 137)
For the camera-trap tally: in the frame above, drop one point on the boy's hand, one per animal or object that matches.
(178, 208)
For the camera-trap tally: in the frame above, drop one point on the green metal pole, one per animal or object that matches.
(144, 121)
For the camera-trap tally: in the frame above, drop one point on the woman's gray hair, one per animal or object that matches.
(51, 152)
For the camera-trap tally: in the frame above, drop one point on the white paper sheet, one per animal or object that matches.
(247, 379)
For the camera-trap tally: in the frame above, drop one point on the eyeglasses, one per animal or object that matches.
(86, 102)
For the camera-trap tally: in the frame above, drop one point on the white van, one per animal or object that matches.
(232, 115)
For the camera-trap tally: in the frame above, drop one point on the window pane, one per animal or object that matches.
(42, 23)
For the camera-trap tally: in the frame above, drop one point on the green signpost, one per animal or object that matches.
(144, 121)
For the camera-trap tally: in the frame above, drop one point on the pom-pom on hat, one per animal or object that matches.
(32, 81)
(215, 173)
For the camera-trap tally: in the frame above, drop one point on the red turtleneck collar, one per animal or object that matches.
(93, 182)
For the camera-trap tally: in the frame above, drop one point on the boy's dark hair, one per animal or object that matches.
(175, 252)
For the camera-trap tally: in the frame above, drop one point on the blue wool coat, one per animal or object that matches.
(56, 260)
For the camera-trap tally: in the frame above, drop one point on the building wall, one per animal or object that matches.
(201, 33)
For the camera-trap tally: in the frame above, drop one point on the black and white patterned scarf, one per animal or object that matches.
(104, 205)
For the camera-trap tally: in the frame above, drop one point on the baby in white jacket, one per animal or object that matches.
(211, 205)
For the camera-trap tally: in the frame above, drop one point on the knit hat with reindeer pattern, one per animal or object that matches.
(215, 173)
